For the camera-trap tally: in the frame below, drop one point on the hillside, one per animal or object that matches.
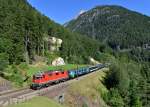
(126, 32)
(115, 25)
(24, 34)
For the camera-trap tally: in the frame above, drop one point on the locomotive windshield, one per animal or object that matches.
(37, 77)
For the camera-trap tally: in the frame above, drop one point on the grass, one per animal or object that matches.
(33, 69)
(38, 102)
(66, 67)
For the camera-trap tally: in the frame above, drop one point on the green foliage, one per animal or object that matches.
(51, 56)
(139, 54)
(77, 48)
(3, 61)
(144, 85)
(104, 57)
(113, 77)
(23, 66)
(13, 74)
(114, 99)
(84, 105)
(134, 98)
(125, 76)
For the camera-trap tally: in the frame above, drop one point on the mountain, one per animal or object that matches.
(114, 25)
(23, 31)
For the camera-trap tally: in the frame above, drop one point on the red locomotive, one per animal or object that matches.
(44, 79)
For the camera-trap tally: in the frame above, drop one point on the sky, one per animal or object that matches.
(62, 11)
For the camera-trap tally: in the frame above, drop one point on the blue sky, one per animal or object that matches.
(62, 11)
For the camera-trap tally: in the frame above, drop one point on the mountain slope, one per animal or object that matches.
(23, 31)
(116, 25)
(128, 79)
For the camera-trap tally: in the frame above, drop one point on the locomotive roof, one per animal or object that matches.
(39, 74)
(52, 71)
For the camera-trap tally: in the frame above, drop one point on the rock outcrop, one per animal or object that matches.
(58, 61)
(54, 44)
(93, 61)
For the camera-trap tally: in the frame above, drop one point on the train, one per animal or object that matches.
(47, 78)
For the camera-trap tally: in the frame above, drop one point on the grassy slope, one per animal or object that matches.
(38, 102)
(87, 90)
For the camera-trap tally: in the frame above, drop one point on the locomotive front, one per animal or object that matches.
(37, 80)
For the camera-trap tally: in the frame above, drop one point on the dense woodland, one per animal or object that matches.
(23, 31)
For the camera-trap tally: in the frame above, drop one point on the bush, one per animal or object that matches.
(12, 73)
(23, 66)
(84, 105)
(51, 56)
(3, 61)
(113, 98)
(112, 78)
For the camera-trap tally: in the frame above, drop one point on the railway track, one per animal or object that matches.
(14, 93)
(11, 91)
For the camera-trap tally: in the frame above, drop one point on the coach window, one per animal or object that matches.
(57, 73)
(62, 72)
